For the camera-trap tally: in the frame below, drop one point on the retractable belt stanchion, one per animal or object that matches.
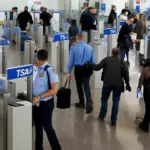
(111, 39)
(62, 52)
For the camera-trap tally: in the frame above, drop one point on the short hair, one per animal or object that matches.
(115, 51)
(42, 55)
(80, 35)
(140, 17)
(130, 17)
(90, 8)
(123, 11)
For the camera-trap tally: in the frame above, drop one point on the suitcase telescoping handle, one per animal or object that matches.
(66, 83)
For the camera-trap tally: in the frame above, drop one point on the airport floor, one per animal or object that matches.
(78, 131)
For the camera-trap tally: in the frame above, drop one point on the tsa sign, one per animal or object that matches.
(103, 7)
(60, 37)
(110, 31)
(19, 72)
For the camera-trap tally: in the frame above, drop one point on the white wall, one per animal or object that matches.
(8, 4)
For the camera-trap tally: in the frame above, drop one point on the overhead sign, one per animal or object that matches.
(110, 31)
(19, 72)
(60, 37)
(138, 2)
(103, 6)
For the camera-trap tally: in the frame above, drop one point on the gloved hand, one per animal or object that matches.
(128, 87)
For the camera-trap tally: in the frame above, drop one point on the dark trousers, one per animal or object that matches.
(123, 53)
(104, 100)
(146, 120)
(43, 120)
(83, 86)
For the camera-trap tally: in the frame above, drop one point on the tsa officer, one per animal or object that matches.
(81, 53)
(44, 89)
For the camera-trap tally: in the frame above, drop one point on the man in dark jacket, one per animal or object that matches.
(24, 18)
(124, 38)
(112, 16)
(88, 21)
(45, 18)
(115, 71)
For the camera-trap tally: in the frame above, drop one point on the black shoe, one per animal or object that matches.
(80, 105)
(89, 108)
(113, 124)
(143, 128)
(101, 118)
(13, 41)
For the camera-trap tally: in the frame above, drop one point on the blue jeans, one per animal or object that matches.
(123, 53)
(43, 120)
(116, 99)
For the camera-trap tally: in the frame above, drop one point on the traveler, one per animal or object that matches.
(124, 39)
(145, 81)
(24, 18)
(136, 18)
(88, 21)
(95, 14)
(85, 7)
(115, 72)
(140, 30)
(73, 30)
(81, 58)
(13, 13)
(123, 16)
(44, 90)
(112, 17)
(45, 18)
(128, 11)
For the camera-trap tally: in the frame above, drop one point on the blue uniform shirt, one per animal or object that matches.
(80, 53)
(40, 80)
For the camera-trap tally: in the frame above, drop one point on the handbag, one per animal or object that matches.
(128, 43)
(64, 96)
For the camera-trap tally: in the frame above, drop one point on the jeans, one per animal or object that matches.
(83, 85)
(123, 53)
(104, 100)
(43, 119)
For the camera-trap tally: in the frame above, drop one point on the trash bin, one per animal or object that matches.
(23, 39)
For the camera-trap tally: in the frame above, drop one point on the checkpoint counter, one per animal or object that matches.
(16, 115)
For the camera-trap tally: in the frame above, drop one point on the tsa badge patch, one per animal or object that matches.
(41, 75)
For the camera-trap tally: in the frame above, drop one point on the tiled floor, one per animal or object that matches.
(78, 131)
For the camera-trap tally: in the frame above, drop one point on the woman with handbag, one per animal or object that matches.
(124, 39)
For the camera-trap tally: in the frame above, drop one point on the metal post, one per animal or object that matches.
(145, 46)
(29, 57)
(40, 37)
(109, 46)
(4, 59)
(29, 52)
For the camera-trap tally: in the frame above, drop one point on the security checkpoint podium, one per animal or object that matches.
(15, 115)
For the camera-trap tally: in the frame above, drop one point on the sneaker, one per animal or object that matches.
(89, 108)
(79, 105)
